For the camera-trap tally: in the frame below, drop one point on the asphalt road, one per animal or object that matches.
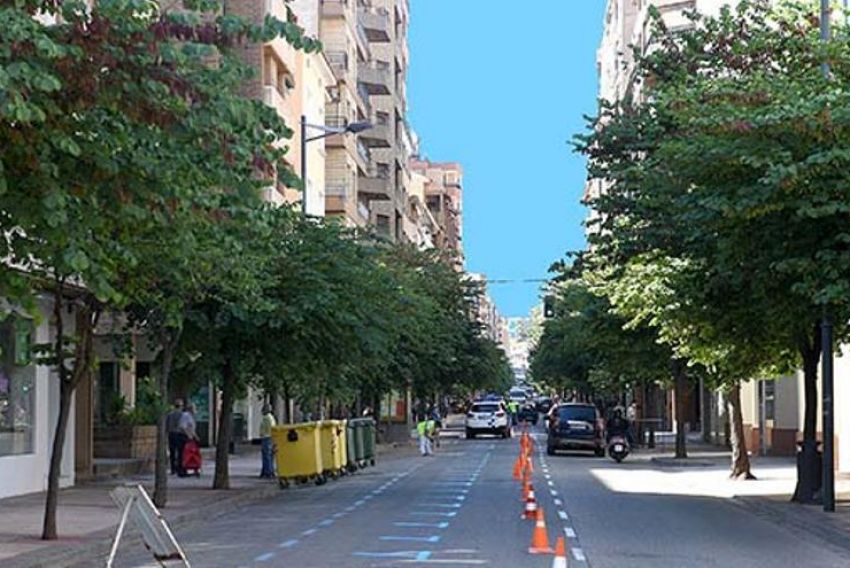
(461, 508)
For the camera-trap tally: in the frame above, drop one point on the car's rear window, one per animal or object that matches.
(583, 413)
(485, 408)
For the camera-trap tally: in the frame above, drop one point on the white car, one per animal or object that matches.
(488, 417)
(518, 395)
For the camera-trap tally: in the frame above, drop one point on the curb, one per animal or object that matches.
(98, 543)
(797, 518)
(102, 540)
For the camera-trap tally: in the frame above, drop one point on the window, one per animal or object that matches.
(577, 414)
(383, 224)
(109, 403)
(485, 408)
(770, 400)
(17, 387)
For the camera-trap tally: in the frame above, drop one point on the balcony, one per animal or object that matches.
(273, 98)
(334, 8)
(376, 187)
(376, 78)
(375, 23)
(338, 61)
(380, 135)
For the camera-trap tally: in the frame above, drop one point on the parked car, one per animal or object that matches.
(528, 413)
(517, 394)
(544, 404)
(576, 426)
(488, 417)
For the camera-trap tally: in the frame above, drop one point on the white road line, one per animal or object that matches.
(338, 515)
(308, 532)
(559, 503)
(563, 515)
(264, 557)
(579, 555)
(288, 543)
(553, 492)
(551, 483)
(569, 532)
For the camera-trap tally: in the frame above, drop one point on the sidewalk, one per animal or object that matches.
(87, 517)
(705, 472)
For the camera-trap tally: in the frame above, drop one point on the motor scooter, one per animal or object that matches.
(618, 448)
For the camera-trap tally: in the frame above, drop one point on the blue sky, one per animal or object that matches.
(501, 87)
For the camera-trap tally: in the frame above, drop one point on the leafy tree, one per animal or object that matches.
(114, 110)
(733, 165)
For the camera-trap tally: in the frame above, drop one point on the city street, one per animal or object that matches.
(462, 508)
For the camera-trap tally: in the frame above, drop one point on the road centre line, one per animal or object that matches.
(578, 554)
(308, 532)
(434, 513)
(569, 532)
(264, 557)
(288, 543)
(563, 515)
(558, 503)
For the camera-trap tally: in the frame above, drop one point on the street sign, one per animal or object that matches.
(136, 505)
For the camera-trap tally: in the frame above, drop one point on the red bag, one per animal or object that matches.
(192, 457)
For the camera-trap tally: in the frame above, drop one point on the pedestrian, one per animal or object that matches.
(425, 429)
(172, 426)
(631, 417)
(267, 422)
(187, 432)
(513, 408)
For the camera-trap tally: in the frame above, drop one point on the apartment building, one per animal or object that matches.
(444, 199)
(487, 315)
(367, 175)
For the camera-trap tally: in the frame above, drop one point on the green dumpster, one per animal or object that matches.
(353, 444)
(367, 427)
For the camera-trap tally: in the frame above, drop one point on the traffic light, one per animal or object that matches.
(549, 307)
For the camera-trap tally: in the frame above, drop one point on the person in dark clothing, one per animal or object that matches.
(172, 426)
(618, 426)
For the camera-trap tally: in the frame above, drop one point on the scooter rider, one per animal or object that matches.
(618, 426)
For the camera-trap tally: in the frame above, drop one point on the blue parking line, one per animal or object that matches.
(431, 539)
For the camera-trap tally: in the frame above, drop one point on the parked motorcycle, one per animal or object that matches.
(618, 448)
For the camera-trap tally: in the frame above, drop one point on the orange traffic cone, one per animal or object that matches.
(519, 464)
(560, 560)
(539, 538)
(531, 511)
(526, 486)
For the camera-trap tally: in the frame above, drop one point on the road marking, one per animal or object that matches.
(431, 539)
(417, 555)
(444, 505)
(558, 502)
(441, 525)
(288, 543)
(553, 492)
(579, 554)
(452, 561)
(563, 515)
(367, 497)
(326, 523)
(551, 483)
(338, 515)
(434, 513)
(569, 532)
(360, 502)
(308, 532)
(351, 508)
(264, 557)
(547, 476)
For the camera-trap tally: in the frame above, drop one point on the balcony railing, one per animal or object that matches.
(334, 8)
(363, 151)
(376, 24)
(338, 60)
(337, 189)
(376, 77)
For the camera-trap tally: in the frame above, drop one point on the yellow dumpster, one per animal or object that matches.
(299, 453)
(333, 447)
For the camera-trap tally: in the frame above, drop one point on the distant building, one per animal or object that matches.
(444, 199)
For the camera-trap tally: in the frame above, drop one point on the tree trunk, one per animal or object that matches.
(160, 491)
(809, 466)
(222, 459)
(740, 458)
(680, 390)
(49, 531)
(86, 319)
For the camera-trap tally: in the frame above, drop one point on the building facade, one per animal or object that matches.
(444, 199)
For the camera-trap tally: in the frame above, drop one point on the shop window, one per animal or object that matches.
(17, 387)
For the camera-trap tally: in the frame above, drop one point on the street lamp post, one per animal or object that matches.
(828, 479)
(326, 131)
